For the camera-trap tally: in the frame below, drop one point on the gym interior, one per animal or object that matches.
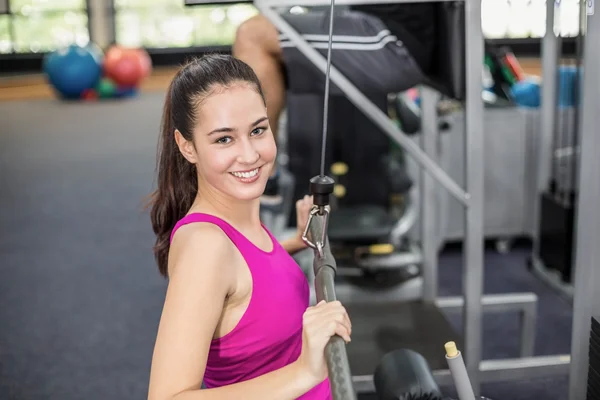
(80, 295)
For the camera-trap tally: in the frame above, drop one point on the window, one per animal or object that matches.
(34, 26)
(169, 23)
(5, 37)
(518, 19)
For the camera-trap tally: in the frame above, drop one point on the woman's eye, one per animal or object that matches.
(224, 140)
(258, 131)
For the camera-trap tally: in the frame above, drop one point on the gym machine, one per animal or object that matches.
(422, 325)
(584, 375)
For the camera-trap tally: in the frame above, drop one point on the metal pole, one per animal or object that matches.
(577, 88)
(549, 84)
(325, 269)
(586, 302)
(545, 136)
(428, 196)
(474, 179)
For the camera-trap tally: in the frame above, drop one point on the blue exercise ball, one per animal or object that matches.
(526, 93)
(74, 69)
(123, 92)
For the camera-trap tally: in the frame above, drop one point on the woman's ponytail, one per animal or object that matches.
(176, 187)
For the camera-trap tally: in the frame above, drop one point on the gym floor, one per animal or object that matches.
(80, 294)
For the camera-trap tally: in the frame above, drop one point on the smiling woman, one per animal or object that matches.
(236, 313)
(238, 141)
(202, 144)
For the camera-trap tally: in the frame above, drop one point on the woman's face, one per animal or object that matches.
(235, 147)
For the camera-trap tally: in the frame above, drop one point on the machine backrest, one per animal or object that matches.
(448, 75)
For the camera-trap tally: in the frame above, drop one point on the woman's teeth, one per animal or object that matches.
(249, 174)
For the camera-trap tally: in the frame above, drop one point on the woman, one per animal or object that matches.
(236, 313)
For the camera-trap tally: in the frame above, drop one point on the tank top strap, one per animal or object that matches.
(238, 239)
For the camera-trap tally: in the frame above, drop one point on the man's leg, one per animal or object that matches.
(257, 44)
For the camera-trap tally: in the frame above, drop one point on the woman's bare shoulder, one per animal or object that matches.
(199, 243)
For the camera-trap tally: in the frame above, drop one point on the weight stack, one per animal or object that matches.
(556, 228)
(558, 202)
(593, 386)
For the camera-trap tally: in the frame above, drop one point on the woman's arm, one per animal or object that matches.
(296, 244)
(286, 383)
(293, 245)
(200, 278)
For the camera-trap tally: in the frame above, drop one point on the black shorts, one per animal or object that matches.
(364, 51)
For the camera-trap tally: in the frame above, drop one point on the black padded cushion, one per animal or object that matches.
(448, 75)
(360, 223)
(405, 374)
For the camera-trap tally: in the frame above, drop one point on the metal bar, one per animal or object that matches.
(474, 179)
(558, 116)
(528, 319)
(364, 104)
(514, 369)
(524, 303)
(325, 267)
(587, 252)
(504, 370)
(490, 302)
(428, 197)
(577, 96)
(545, 145)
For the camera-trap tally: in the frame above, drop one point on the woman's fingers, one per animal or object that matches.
(331, 317)
(343, 332)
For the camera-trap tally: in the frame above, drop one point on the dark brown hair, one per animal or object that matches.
(177, 182)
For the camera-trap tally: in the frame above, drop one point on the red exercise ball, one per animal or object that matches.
(127, 66)
(89, 95)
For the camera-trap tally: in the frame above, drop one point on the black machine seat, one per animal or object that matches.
(366, 223)
(405, 374)
(449, 65)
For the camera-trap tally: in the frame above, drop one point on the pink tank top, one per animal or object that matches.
(269, 334)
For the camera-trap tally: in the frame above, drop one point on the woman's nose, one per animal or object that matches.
(249, 154)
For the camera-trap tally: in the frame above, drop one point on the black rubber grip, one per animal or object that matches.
(340, 375)
(321, 187)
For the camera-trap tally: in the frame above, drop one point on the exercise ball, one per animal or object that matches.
(89, 95)
(106, 88)
(123, 92)
(526, 93)
(127, 67)
(73, 69)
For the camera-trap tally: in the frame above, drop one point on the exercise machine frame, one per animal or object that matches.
(473, 303)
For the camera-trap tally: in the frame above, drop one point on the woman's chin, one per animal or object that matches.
(246, 193)
(247, 189)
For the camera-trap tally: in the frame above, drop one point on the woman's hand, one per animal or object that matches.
(319, 324)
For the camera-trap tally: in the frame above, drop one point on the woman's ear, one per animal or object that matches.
(186, 147)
